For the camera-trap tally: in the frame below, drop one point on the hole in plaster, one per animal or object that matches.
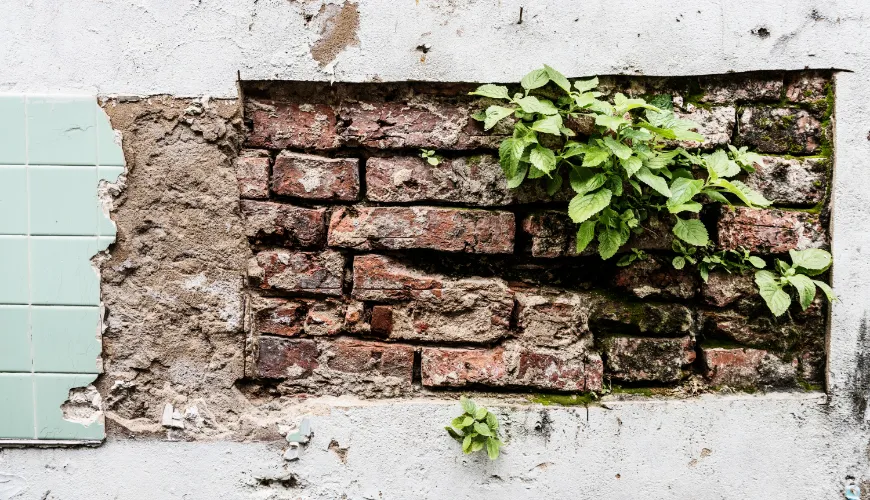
(761, 32)
(83, 406)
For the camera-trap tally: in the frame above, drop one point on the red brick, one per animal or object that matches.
(325, 317)
(769, 230)
(279, 316)
(648, 359)
(807, 87)
(315, 177)
(476, 180)
(377, 277)
(553, 317)
(444, 229)
(252, 174)
(752, 325)
(653, 278)
(373, 359)
(740, 88)
(304, 272)
(747, 368)
(554, 372)
(791, 181)
(723, 289)
(645, 318)
(279, 125)
(779, 130)
(715, 124)
(460, 367)
(382, 319)
(292, 226)
(286, 358)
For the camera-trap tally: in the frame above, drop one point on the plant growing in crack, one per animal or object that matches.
(625, 160)
(476, 429)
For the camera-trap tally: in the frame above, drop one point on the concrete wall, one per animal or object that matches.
(767, 446)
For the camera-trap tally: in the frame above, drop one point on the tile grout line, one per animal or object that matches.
(29, 266)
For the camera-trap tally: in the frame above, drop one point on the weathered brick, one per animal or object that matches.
(753, 325)
(298, 316)
(779, 130)
(443, 367)
(646, 318)
(304, 272)
(740, 88)
(476, 180)
(791, 181)
(289, 225)
(286, 358)
(355, 320)
(723, 289)
(807, 87)
(325, 317)
(315, 177)
(471, 310)
(715, 124)
(747, 368)
(372, 359)
(655, 278)
(279, 125)
(421, 123)
(444, 229)
(552, 371)
(252, 174)
(769, 230)
(553, 317)
(648, 359)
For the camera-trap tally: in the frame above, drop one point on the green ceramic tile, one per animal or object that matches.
(51, 391)
(61, 272)
(108, 151)
(14, 339)
(66, 339)
(12, 130)
(13, 199)
(62, 201)
(13, 270)
(16, 406)
(61, 131)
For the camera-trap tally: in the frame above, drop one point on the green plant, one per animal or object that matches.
(707, 259)
(629, 258)
(430, 157)
(806, 263)
(476, 429)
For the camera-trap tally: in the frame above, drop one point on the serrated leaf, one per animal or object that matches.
(716, 196)
(757, 262)
(492, 446)
(611, 122)
(719, 165)
(508, 159)
(586, 85)
(549, 125)
(455, 435)
(755, 198)
(516, 180)
(585, 206)
(828, 291)
(623, 104)
(813, 259)
(614, 183)
(806, 289)
(466, 444)
(535, 79)
(482, 429)
(631, 165)
(534, 173)
(467, 405)
(557, 78)
(585, 235)
(495, 114)
(595, 156)
(480, 413)
(477, 446)
(692, 231)
(659, 184)
(619, 149)
(491, 420)
(771, 291)
(609, 242)
(531, 104)
(733, 189)
(689, 206)
(554, 184)
(584, 181)
(679, 262)
(490, 90)
(543, 159)
(683, 190)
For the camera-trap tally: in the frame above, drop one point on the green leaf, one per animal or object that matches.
(554, 184)
(733, 189)
(805, 287)
(455, 435)
(771, 291)
(582, 182)
(467, 405)
(595, 156)
(477, 446)
(586, 85)
(492, 446)
(482, 429)
(543, 159)
(692, 231)
(490, 90)
(517, 179)
(491, 421)
(531, 104)
(755, 198)
(582, 207)
(619, 149)
(683, 190)
(757, 262)
(609, 242)
(585, 235)
(659, 184)
(679, 262)
(549, 125)
(535, 79)
(557, 78)
(466, 444)
(495, 114)
(689, 206)
(719, 165)
(829, 292)
(534, 173)
(624, 104)
(813, 259)
(611, 122)
(716, 196)
(480, 413)
(631, 165)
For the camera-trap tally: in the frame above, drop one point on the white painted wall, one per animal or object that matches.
(761, 447)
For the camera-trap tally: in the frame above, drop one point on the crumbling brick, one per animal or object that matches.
(779, 130)
(791, 181)
(443, 367)
(252, 174)
(372, 358)
(279, 125)
(648, 359)
(302, 272)
(316, 177)
(289, 225)
(747, 368)
(286, 358)
(768, 230)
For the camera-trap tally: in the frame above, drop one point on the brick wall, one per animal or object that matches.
(375, 273)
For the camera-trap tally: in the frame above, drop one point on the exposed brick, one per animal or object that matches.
(654, 278)
(723, 289)
(769, 230)
(754, 326)
(444, 229)
(553, 317)
(286, 358)
(747, 368)
(791, 181)
(646, 318)
(476, 180)
(807, 87)
(382, 319)
(715, 124)
(380, 278)
(372, 358)
(252, 174)
(551, 371)
(459, 367)
(779, 130)
(279, 125)
(315, 177)
(325, 317)
(305, 272)
(279, 316)
(648, 359)
(740, 88)
(289, 225)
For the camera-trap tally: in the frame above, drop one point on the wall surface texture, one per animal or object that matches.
(219, 188)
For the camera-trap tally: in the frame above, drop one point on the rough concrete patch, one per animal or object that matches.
(84, 405)
(338, 30)
(11, 485)
(341, 452)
